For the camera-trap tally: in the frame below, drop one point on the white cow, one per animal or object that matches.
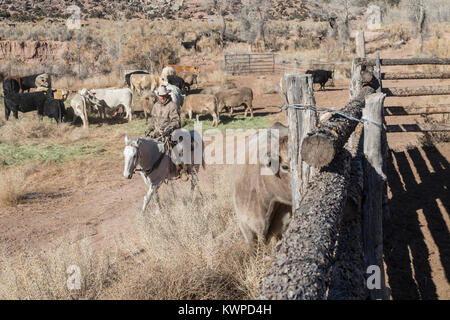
(176, 95)
(110, 98)
(167, 71)
(79, 106)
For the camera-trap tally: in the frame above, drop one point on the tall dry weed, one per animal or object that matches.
(190, 248)
(12, 186)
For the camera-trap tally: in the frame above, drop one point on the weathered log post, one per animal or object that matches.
(349, 269)
(374, 182)
(356, 81)
(360, 44)
(301, 123)
(320, 147)
(378, 72)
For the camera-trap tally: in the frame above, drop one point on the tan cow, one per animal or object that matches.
(80, 104)
(141, 82)
(262, 201)
(149, 98)
(199, 104)
(233, 98)
(179, 69)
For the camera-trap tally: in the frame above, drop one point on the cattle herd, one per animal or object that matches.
(44, 102)
(179, 80)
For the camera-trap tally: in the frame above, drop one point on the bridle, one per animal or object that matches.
(138, 157)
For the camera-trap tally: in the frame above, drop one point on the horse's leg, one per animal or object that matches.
(147, 198)
(158, 205)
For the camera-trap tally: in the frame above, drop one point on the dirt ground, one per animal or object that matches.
(101, 205)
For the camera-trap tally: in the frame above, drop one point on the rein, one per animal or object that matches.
(147, 172)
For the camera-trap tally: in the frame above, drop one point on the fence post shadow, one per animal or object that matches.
(405, 250)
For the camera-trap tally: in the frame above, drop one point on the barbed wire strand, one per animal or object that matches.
(317, 108)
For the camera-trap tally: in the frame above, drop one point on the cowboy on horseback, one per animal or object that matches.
(165, 119)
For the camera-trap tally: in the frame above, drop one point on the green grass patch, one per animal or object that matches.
(226, 122)
(19, 154)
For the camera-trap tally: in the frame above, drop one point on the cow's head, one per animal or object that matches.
(130, 153)
(90, 96)
(276, 162)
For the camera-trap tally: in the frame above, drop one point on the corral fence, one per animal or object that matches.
(426, 109)
(333, 246)
(248, 63)
(260, 63)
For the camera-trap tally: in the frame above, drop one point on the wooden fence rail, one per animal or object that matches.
(414, 75)
(403, 62)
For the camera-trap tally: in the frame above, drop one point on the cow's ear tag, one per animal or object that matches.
(45, 92)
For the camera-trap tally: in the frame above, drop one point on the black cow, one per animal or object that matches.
(29, 82)
(321, 77)
(128, 76)
(54, 108)
(10, 86)
(190, 44)
(177, 81)
(26, 102)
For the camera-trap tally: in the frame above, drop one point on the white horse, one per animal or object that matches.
(147, 156)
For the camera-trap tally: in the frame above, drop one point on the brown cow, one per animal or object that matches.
(149, 98)
(179, 69)
(201, 103)
(233, 98)
(141, 82)
(262, 202)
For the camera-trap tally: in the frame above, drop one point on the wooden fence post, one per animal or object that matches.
(374, 181)
(360, 44)
(378, 73)
(356, 81)
(301, 122)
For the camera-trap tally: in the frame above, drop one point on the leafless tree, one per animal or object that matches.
(337, 13)
(417, 15)
(253, 17)
(221, 8)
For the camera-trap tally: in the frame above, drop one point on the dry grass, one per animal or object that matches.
(186, 250)
(190, 250)
(44, 275)
(12, 186)
(31, 129)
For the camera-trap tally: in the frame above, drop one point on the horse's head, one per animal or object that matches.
(130, 153)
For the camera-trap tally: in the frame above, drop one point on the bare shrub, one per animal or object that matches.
(12, 187)
(188, 249)
(31, 129)
(45, 275)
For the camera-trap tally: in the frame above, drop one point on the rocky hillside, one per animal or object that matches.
(27, 10)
